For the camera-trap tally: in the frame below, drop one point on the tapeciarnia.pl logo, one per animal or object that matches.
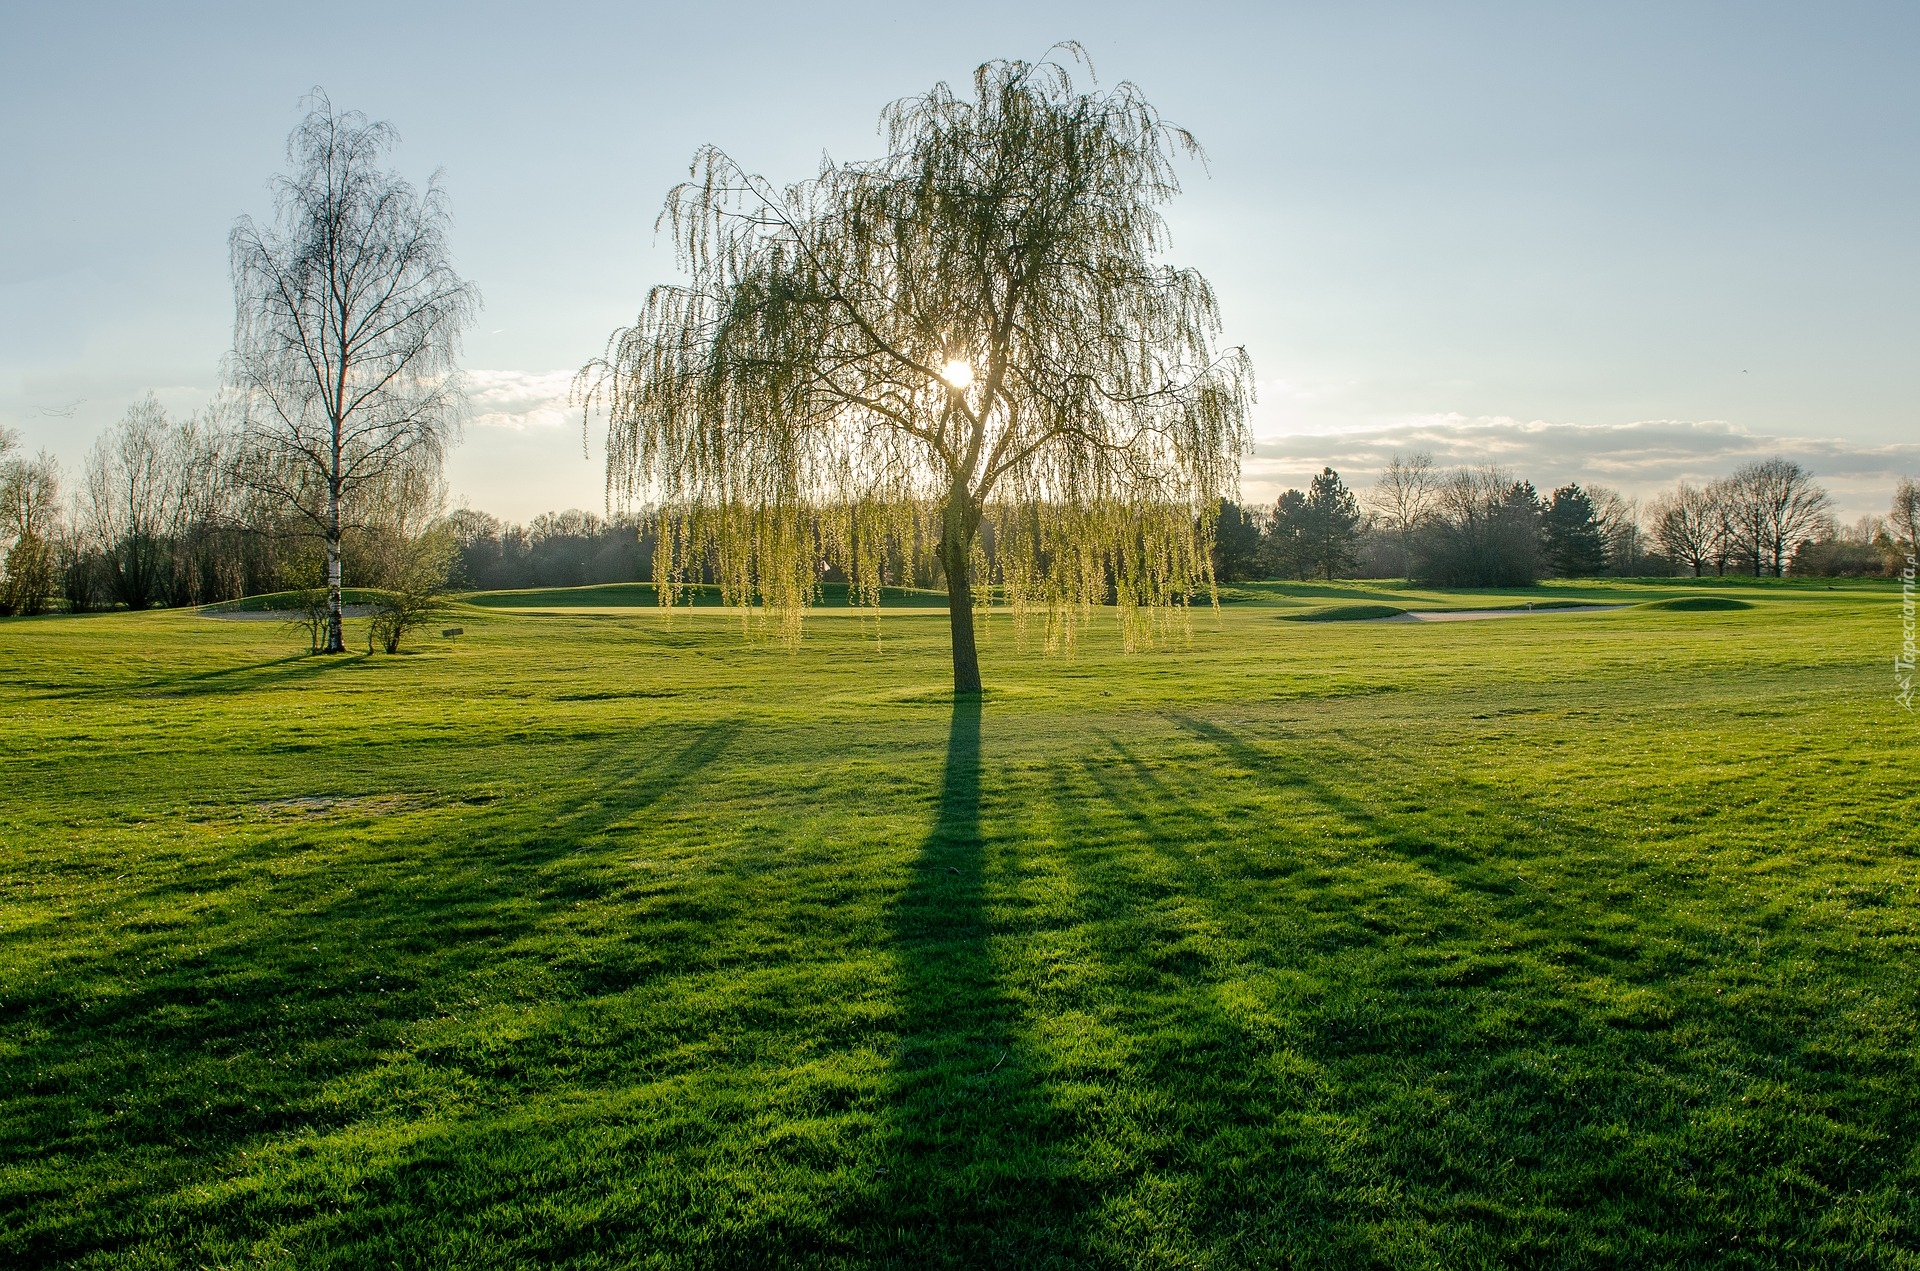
(1903, 660)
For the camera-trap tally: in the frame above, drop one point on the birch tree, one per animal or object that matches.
(348, 318)
(974, 330)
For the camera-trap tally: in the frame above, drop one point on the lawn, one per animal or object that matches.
(599, 938)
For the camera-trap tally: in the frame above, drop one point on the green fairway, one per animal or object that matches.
(611, 938)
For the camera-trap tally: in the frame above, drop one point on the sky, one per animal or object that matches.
(1624, 243)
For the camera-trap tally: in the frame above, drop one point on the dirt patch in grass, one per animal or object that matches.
(348, 805)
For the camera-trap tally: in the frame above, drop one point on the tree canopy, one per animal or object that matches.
(1573, 541)
(974, 329)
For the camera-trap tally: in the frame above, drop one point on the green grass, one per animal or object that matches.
(616, 940)
(1357, 611)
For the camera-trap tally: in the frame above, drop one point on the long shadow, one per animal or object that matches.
(219, 680)
(970, 1182)
(1489, 875)
(189, 1054)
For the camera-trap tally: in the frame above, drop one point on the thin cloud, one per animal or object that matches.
(520, 400)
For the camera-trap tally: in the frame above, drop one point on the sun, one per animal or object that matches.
(958, 372)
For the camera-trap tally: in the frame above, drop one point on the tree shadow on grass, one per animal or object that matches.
(1486, 963)
(226, 679)
(1315, 1084)
(192, 1037)
(974, 1171)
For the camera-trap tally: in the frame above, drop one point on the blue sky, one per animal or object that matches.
(1622, 243)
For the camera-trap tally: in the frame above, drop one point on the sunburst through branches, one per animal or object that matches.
(970, 338)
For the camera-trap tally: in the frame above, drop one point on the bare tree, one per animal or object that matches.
(130, 498)
(210, 511)
(9, 442)
(1903, 519)
(1775, 507)
(29, 530)
(1723, 505)
(348, 316)
(1688, 526)
(972, 334)
(1403, 496)
(1618, 519)
(1746, 511)
(1484, 531)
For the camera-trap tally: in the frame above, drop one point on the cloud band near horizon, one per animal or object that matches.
(1638, 458)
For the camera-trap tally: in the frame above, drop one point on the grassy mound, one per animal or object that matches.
(288, 601)
(1344, 613)
(1696, 604)
(603, 596)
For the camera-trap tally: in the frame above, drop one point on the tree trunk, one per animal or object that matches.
(956, 545)
(335, 642)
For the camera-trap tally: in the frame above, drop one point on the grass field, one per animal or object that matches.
(600, 939)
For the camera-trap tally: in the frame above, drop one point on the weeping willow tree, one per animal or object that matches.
(876, 365)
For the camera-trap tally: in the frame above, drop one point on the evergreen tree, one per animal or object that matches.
(1331, 525)
(1236, 544)
(1285, 545)
(1575, 547)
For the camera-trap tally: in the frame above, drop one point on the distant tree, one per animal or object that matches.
(1775, 505)
(130, 496)
(1687, 526)
(1485, 532)
(1237, 537)
(1903, 520)
(1331, 524)
(560, 549)
(348, 316)
(1285, 544)
(1570, 534)
(163, 517)
(1618, 518)
(1836, 558)
(1728, 535)
(29, 529)
(974, 331)
(1403, 498)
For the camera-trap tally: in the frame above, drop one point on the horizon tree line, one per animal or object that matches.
(1485, 527)
(163, 514)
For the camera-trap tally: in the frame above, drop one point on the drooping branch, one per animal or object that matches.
(972, 329)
